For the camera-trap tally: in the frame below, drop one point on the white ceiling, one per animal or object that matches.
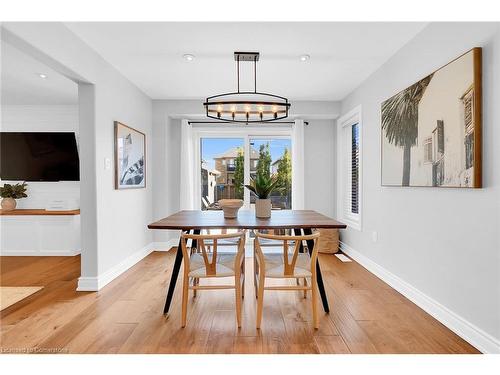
(21, 83)
(342, 55)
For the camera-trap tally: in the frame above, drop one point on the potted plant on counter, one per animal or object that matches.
(262, 186)
(10, 193)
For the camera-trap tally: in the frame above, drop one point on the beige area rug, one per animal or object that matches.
(10, 295)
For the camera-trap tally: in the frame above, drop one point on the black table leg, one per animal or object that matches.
(298, 232)
(319, 277)
(173, 278)
(175, 273)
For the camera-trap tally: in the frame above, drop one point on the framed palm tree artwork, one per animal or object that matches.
(431, 131)
(130, 157)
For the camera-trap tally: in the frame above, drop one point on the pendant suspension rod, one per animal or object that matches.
(255, 73)
(238, 63)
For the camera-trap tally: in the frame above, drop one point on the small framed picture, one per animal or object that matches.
(130, 157)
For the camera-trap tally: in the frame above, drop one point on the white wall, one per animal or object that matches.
(166, 151)
(320, 166)
(319, 155)
(443, 242)
(43, 118)
(114, 222)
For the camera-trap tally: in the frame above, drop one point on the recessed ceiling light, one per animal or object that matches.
(188, 57)
(304, 57)
(43, 76)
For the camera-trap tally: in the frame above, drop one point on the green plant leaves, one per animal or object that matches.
(16, 191)
(262, 186)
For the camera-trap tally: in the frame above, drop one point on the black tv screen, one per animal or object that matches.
(39, 157)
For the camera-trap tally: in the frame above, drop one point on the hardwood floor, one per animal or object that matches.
(367, 316)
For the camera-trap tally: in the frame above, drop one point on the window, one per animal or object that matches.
(355, 169)
(274, 155)
(440, 138)
(428, 150)
(438, 154)
(221, 170)
(468, 108)
(349, 168)
(469, 150)
(229, 158)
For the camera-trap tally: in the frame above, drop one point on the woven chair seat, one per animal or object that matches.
(224, 266)
(275, 266)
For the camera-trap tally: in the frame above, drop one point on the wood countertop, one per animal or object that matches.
(38, 212)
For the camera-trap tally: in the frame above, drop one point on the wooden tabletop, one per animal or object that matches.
(37, 212)
(283, 219)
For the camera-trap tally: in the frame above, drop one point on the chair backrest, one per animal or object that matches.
(205, 202)
(289, 258)
(210, 258)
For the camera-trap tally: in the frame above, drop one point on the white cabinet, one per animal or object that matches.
(40, 235)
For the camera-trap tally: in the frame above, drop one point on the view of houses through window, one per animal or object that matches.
(274, 157)
(223, 169)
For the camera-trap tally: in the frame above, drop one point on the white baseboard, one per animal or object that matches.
(164, 246)
(93, 284)
(466, 330)
(87, 284)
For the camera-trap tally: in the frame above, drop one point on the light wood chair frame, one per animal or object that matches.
(289, 270)
(209, 254)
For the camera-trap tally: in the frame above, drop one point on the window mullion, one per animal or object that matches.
(246, 177)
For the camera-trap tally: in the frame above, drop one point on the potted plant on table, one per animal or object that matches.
(10, 193)
(262, 186)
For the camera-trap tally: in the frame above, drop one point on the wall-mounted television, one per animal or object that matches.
(51, 156)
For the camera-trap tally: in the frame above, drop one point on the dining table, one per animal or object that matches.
(194, 221)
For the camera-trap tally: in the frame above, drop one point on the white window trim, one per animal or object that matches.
(246, 133)
(350, 118)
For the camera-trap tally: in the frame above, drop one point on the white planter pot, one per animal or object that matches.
(8, 204)
(263, 208)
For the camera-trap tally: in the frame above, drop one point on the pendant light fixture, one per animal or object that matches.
(247, 106)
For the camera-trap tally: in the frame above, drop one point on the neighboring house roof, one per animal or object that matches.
(276, 161)
(212, 171)
(233, 152)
